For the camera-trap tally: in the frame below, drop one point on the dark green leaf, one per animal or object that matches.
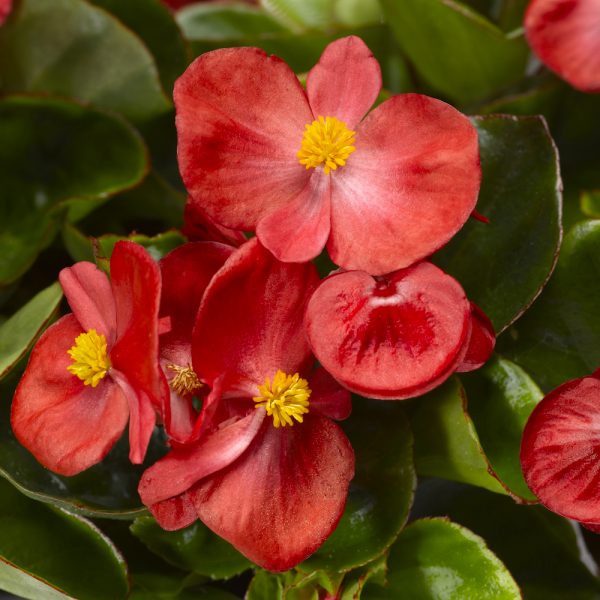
(539, 548)
(49, 553)
(54, 151)
(151, 586)
(73, 49)
(558, 338)
(504, 265)
(434, 559)
(470, 60)
(501, 397)
(590, 203)
(194, 548)
(380, 493)
(265, 585)
(18, 334)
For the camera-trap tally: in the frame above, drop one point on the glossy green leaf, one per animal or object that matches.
(194, 548)
(504, 265)
(590, 203)
(446, 442)
(152, 586)
(73, 49)
(265, 585)
(380, 493)
(451, 65)
(434, 559)
(49, 553)
(155, 24)
(558, 338)
(539, 548)
(501, 397)
(54, 151)
(541, 99)
(356, 580)
(18, 334)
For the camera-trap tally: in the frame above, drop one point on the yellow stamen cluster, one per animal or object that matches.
(90, 358)
(285, 398)
(185, 381)
(328, 142)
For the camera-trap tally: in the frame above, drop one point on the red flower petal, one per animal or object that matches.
(250, 322)
(560, 450)
(345, 82)
(5, 9)
(240, 119)
(174, 513)
(392, 338)
(66, 425)
(328, 398)
(179, 470)
(199, 227)
(298, 231)
(481, 342)
(282, 498)
(565, 34)
(90, 297)
(409, 187)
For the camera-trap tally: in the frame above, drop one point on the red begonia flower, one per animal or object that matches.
(199, 227)
(186, 273)
(391, 337)
(257, 152)
(270, 470)
(565, 34)
(5, 9)
(95, 369)
(481, 342)
(560, 450)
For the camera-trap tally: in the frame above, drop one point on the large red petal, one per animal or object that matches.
(199, 227)
(240, 121)
(565, 34)
(66, 425)
(281, 499)
(179, 470)
(136, 285)
(408, 188)
(328, 398)
(90, 297)
(250, 322)
(298, 231)
(392, 338)
(560, 450)
(345, 82)
(481, 341)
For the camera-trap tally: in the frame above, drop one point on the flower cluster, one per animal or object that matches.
(217, 342)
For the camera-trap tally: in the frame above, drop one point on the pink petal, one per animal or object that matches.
(179, 470)
(90, 297)
(298, 231)
(250, 322)
(481, 341)
(560, 451)
(281, 499)
(240, 121)
(389, 338)
(345, 82)
(565, 36)
(408, 188)
(66, 425)
(328, 398)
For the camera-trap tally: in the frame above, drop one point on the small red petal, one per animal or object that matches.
(199, 227)
(174, 513)
(560, 450)
(389, 338)
(481, 342)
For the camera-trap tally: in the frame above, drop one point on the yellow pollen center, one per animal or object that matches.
(90, 359)
(285, 398)
(185, 381)
(328, 142)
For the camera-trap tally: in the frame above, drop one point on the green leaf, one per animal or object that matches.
(446, 442)
(558, 338)
(49, 553)
(356, 580)
(504, 265)
(53, 151)
(539, 548)
(380, 493)
(590, 203)
(157, 246)
(154, 23)
(152, 586)
(194, 548)
(434, 558)
(451, 65)
(73, 49)
(265, 585)
(19, 333)
(501, 398)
